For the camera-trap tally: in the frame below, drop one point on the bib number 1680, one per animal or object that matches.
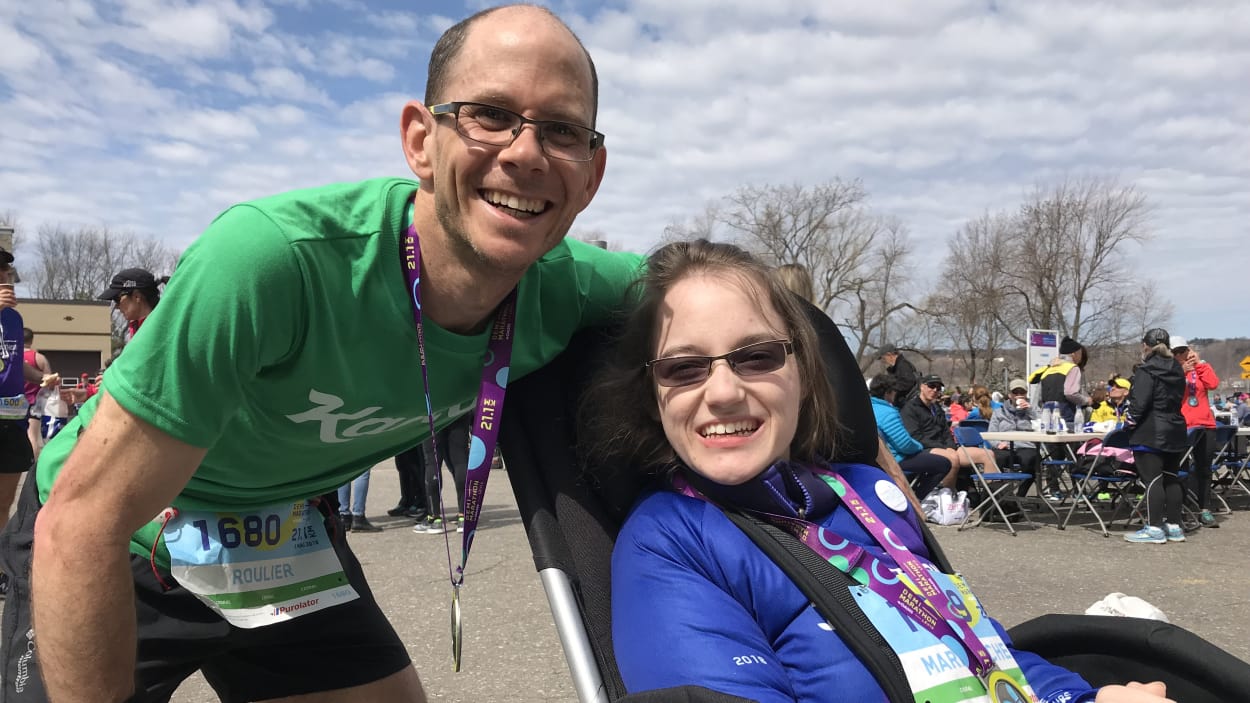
(252, 530)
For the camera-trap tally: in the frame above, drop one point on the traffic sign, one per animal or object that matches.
(1245, 364)
(1245, 374)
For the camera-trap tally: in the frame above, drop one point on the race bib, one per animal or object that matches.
(938, 671)
(14, 408)
(259, 567)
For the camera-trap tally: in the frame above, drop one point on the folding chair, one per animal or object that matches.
(1055, 459)
(1228, 468)
(976, 424)
(994, 480)
(1120, 483)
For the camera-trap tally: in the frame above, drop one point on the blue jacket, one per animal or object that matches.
(694, 602)
(890, 425)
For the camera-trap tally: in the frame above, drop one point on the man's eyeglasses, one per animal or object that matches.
(933, 386)
(751, 360)
(1019, 392)
(495, 126)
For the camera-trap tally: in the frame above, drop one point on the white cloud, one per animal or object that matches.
(286, 84)
(944, 108)
(177, 152)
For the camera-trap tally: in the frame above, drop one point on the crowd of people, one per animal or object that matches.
(1168, 405)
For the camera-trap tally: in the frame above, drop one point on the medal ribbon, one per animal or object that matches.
(913, 591)
(484, 433)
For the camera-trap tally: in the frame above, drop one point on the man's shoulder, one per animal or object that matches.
(575, 251)
(348, 190)
(330, 211)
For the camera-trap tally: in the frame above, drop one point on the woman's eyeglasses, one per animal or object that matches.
(751, 360)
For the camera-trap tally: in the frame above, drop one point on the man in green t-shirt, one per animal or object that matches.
(283, 361)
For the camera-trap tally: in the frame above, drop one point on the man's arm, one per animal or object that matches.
(1072, 388)
(1206, 375)
(122, 473)
(31, 373)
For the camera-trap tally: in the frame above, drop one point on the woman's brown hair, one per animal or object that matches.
(620, 407)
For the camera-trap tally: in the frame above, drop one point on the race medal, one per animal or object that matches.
(1003, 689)
(457, 628)
(1193, 401)
(259, 567)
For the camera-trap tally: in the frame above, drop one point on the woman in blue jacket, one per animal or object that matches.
(720, 380)
(937, 466)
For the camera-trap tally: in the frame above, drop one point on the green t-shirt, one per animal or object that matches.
(285, 345)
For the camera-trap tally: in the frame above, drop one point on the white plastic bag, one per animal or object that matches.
(956, 511)
(945, 507)
(1126, 606)
(931, 505)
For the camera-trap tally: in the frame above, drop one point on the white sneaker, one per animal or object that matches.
(1174, 532)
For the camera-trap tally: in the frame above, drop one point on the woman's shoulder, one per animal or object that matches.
(665, 516)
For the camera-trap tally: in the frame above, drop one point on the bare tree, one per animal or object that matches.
(1070, 263)
(879, 296)
(1059, 262)
(78, 264)
(702, 226)
(824, 228)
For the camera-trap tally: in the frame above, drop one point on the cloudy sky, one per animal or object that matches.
(153, 115)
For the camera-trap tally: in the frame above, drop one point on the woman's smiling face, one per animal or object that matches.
(728, 428)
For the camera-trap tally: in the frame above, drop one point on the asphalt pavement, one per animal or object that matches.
(511, 652)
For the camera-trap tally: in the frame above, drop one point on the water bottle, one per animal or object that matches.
(55, 413)
(1078, 421)
(1048, 418)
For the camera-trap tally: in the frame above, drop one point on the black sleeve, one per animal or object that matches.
(906, 377)
(859, 426)
(1140, 396)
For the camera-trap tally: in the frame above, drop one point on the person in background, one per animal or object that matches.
(352, 498)
(979, 404)
(453, 450)
(1113, 407)
(934, 466)
(1158, 438)
(1062, 380)
(1098, 405)
(1017, 415)
(798, 279)
(905, 374)
(35, 394)
(1200, 380)
(135, 293)
(925, 420)
(410, 466)
(17, 454)
(955, 409)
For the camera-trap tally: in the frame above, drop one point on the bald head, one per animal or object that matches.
(449, 46)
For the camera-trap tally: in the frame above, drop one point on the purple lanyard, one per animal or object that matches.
(483, 434)
(922, 600)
